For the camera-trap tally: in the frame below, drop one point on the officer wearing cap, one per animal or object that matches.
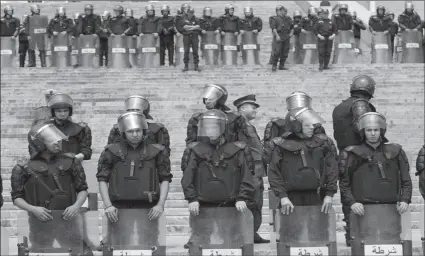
(420, 170)
(409, 19)
(325, 30)
(189, 26)
(247, 108)
(343, 21)
(376, 164)
(358, 25)
(271, 18)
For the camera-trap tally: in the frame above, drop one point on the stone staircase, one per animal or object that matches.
(99, 94)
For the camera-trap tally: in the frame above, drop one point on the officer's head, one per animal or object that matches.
(212, 126)
(207, 12)
(88, 9)
(319, 11)
(8, 10)
(249, 110)
(46, 137)
(391, 15)
(184, 8)
(106, 15)
(165, 10)
(380, 10)
(409, 7)
(190, 12)
(297, 15)
(325, 14)
(137, 103)
(229, 9)
(354, 15)
(129, 13)
(312, 11)
(61, 106)
(133, 127)
(343, 9)
(248, 11)
(61, 12)
(298, 99)
(35, 9)
(283, 11)
(372, 126)
(150, 10)
(278, 9)
(214, 95)
(303, 121)
(118, 10)
(364, 85)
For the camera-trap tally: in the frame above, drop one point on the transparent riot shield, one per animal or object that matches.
(55, 237)
(382, 230)
(179, 50)
(132, 51)
(250, 48)
(49, 51)
(307, 231)
(345, 48)
(229, 49)
(398, 49)
(309, 52)
(4, 250)
(88, 53)
(8, 52)
(37, 31)
(148, 51)
(221, 231)
(134, 234)
(118, 52)
(381, 48)
(61, 54)
(422, 228)
(209, 48)
(294, 51)
(274, 219)
(412, 47)
(75, 51)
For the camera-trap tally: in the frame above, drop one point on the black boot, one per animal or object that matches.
(326, 66)
(282, 67)
(31, 58)
(21, 60)
(320, 65)
(274, 67)
(43, 59)
(186, 67)
(197, 67)
(171, 57)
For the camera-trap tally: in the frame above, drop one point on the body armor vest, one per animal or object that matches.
(50, 185)
(134, 177)
(250, 137)
(230, 23)
(72, 130)
(118, 25)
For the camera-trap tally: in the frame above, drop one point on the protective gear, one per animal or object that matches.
(279, 8)
(48, 134)
(8, 10)
(129, 12)
(229, 7)
(408, 5)
(212, 124)
(88, 7)
(299, 116)
(372, 119)
(60, 100)
(184, 8)
(165, 8)
(391, 14)
(343, 6)
(118, 10)
(207, 11)
(248, 10)
(150, 8)
(298, 100)
(312, 11)
(363, 83)
(297, 14)
(320, 10)
(61, 11)
(132, 120)
(354, 14)
(137, 102)
(215, 92)
(191, 10)
(380, 7)
(106, 15)
(35, 9)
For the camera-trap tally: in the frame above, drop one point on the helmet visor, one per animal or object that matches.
(211, 127)
(212, 93)
(308, 115)
(49, 134)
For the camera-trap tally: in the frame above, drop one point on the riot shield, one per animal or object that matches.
(8, 52)
(179, 52)
(274, 215)
(49, 51)
(118, 52)
(308, 48)
(132, 51)
(229, 49)
(345, 48)
(4, 250)
(398, 49)
(294, 51)
(88, 54)
(75, 51)
(148, 51)
(221, 231)
(37, 31)
(422, 228)
(307, 231)
(61, 54)
(382, 230)
(209, 48)
(381, 48)
(250, 48)
(54, 237)
(412, 47)
(134, 234)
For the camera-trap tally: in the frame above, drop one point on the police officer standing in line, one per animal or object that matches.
(379, 22)
(229, 21)
(136, 158)
(393, 30)
(299, 152)
(345, 117)
(307, 23)
(325, 30)
(271, 18)
(10, 26)
(358, 25)
(297, 19)
(383, 167)
(409, 19)
(133, 22)
(35, 10)
(282, 28)
(103, 39)
(189, 26)
(420, 170)
(343, 21)
(213, 156)
(32, 192)
(166, 36)
(180, 14)
(209, 23)
(250, 22)
(149, 24)
(89, 23)
(247, 108)
(119, 24)
(23, 42)
(61, 24)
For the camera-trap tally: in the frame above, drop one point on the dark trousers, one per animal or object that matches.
(281, 52)
(103, 51)
(23, 49)
(325, 50)
(191, 41)
(166, 42)
(392, 44)
(258, 198)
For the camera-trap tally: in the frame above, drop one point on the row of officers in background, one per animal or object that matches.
(223, 166)
(123, 41)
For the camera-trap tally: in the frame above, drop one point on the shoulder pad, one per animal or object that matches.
(280, 122)
(155, 127)
(116, 150)
(192, 144)
(290, 145)
(83, 124)
(357, 150)
(37, 165)
(391, 150)
(322, 136)
(230, 149)
(158, 146)
(240, 144)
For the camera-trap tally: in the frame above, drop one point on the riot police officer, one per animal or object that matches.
(345, 117)
(409, 19)
(133, 22)
(166, 36)
(343, 21)
(33, 182)
(23, 42)
(250, 22)
(134, 157)
(156, 133)
(297, 156)
(212, 153)
(189, 27)
(307, 23)
(9, 25)
(297, 19)
(60, 24)
(379, 22)
(420, 167)
(209, 23)
(325, 30)
(393, 29)
(103, 39)
(119, 25)
(89, 23)
(149, 24)
(374, 172)
(229, 22)
(282, 28)
(180, 14)
(358, 25)
(271, 18)
(35, 10)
